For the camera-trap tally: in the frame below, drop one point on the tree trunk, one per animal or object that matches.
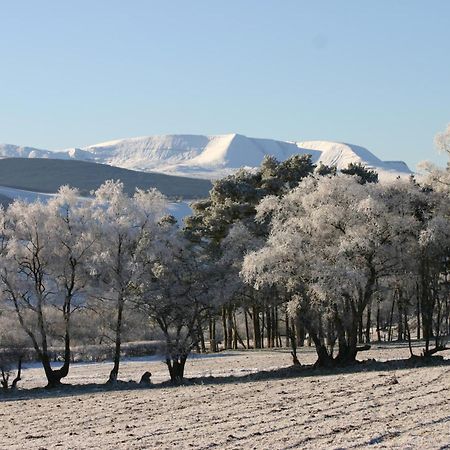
(229, 327)
(176, 368)
(224, 326)
(269, 322)
(360, 330)
(19, 374)
(391, 319)
(256, 328)
(426, 304)
(300, 333)
(324, 359)
(418, 313)
(247, 331)
(262, 328)
(201, 335)
(212, 335)
(288, 330)
(378, 322)
(400, 333)
(368, 322)
(235, 331)
(118, 341)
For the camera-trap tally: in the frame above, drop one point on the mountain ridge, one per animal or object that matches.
(209, 156)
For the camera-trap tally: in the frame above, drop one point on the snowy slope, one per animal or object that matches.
(216, 156)
(341, 155)
(194, 155)
(209, 157)
(17, 151)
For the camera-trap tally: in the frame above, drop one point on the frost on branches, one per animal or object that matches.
(45, 249)
(122, 225)
(334, 242)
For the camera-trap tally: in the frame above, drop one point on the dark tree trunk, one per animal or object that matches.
(247, 330)
(229, 327)
(262, 328)
(117, 342)
(408, 336)
(368, 322)
(300, 332)
(201, 336)
(269, 323)
(235, 332)
(176, 367)
(18, 375)
(360, 329)
(426, 304)
(400, 333)
(224, 327)
(277, 328)
(418, 313)
(288, 330)
(54, 376)
(256, 328)
(324, 359)
(391, 319)
(378, 322)
(212, 335)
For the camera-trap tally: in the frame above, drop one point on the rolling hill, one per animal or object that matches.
(47, 175)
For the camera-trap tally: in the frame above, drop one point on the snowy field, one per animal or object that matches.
(237, 406)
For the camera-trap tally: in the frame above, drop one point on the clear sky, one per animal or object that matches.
(373, 73)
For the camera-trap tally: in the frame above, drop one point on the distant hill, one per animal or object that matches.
(47, 175)
(209, 157)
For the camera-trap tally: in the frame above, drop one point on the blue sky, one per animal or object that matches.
(373, 73)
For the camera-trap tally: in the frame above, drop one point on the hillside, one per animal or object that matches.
(341, 155)
(209, 157)
(191, 154)
(47, 175)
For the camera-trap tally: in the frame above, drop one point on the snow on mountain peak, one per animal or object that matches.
(209, 156)
(340, 155)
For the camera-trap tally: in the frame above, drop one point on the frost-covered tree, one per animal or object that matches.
(442, 140)
(174, 291)
(234, 199)
(45, 250)
(233, 291)
(438, 178)
(433, 274)
(124, 226)
(331, 240)
(13, 343)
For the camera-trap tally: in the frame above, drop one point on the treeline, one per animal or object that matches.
(332, 260)
(288, 255)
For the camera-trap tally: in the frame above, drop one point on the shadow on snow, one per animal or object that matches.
(284, 373)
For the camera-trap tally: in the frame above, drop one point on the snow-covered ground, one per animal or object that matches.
(375, 407)
(210, 157)
(27, 196)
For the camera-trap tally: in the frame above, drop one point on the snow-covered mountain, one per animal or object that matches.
(209, 157)
(341, 155)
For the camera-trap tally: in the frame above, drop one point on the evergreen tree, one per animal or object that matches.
(365, 175)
